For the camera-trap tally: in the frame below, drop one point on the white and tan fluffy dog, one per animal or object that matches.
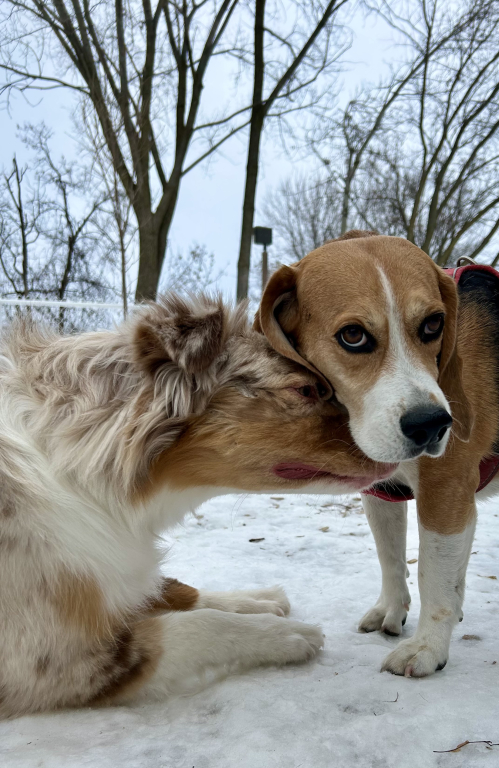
(108, 438)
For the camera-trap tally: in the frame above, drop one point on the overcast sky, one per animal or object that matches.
(210, 201)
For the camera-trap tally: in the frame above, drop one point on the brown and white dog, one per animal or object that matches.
(106, 439)
(380, 320)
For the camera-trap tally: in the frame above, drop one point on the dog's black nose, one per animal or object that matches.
(425, 425)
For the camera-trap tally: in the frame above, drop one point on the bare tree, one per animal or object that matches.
(49, 241)
(419, 156)
(342, 141)
(438, 183)
(288, 63)
(116, 220)
(18, 232)
(142, 67)
(123, 232)
(192, 272)
(304, 212)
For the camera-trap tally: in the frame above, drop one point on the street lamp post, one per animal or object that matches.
(263, 236)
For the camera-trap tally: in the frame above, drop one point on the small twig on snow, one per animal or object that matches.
(391, 701)
(456, 749)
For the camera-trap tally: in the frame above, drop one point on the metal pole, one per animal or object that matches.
(265, 268)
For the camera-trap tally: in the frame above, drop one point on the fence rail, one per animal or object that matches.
(63, 304)
(68, 316)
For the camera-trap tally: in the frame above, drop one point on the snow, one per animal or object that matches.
(338, 711)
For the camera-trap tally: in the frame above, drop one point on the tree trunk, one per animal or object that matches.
(345, 204)
(150, 263)
(256, 126)
(124, 295)
(153, 238)
(243, 265)
(65, 279)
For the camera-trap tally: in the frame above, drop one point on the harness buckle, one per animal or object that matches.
(461, 262)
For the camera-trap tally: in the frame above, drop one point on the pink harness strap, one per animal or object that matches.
(457, 272)
(489, 466)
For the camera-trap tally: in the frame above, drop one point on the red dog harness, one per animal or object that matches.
(489, 466)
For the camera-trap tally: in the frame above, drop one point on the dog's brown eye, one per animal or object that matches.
(354, 338)
(354, 335)
(309, 392)
(432, 327)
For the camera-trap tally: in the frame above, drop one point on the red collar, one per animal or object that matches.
(489, 466)
(397, 492)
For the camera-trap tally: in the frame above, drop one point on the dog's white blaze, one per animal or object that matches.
(404, 385)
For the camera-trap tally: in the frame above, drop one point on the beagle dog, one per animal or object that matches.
(416, 368)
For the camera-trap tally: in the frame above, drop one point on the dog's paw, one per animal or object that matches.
(388, 619)
(269, 600)
(294, 641)
(413, 658)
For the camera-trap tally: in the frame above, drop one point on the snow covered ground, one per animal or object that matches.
(336, 712)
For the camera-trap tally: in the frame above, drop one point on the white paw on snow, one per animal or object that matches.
(388, 618)
(269, 600)
(414, 658)
(295, 641)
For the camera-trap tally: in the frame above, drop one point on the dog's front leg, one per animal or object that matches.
(175, 596)
(209, 640)
(443, 559)
(388, 522)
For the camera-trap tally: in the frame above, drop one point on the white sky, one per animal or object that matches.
(210, 201)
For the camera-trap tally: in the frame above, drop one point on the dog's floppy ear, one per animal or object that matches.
(451, 374)
(279, 301)
(189, 334)
(278, 316)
